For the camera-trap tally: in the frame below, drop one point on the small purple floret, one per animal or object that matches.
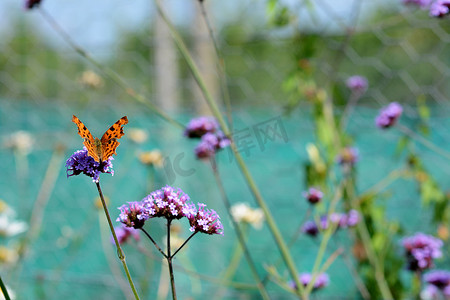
(204, 220)
(310, 228)
(438, 278)
(123, 234)
(421, 249)
(357, 83)
(200, 126)
(389, 115)
(313, 195)
(80, 162)
(321, 281)
(440, 8)
(167, 202)
(133, 214)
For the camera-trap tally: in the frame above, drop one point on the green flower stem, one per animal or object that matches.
(169, 262)
(4, 290)
(120, 253)
(326, 238)
(217, 114)
(370, 251)
(106, 71)
(239, 233)
(185, 242)
(220, 64)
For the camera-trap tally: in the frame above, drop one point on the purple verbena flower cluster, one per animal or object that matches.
(133, 214)
(421, 249)
(80, 162)
(438, 283)
(358, 84)
(389, 115)
(170, 203)
(198, 127)
(340, 220)
(313, 195)
(123, 234)
(321, 281)
(204, 220)
(212, 138)
(437, 8)
(166, 202)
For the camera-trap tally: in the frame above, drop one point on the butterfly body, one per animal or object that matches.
(101, 149)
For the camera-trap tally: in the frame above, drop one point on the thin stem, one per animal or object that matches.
(246, 173)
(120, 253)
(106, 71)
(169, 262)
(185, 242)
(424, 141)
(4, 290)
(356, 277)
(220, 65)
(349, 108)
(370, 251)
(238, 231)
(154, 243)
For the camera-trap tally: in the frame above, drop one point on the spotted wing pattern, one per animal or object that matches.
(87, 136)
(109, 139)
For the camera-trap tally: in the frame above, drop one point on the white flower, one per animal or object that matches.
(10, 227)
(20, 140)
(241, 212)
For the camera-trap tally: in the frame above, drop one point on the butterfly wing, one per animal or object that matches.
(87, 136)
(109, 139)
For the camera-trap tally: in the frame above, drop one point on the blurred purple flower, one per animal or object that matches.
(421, 3)
(203, 220)
(438, 278)
(313, 195)
(430, 292)
(389, 115)
(352, 218)
(321, 281)
(421, 249)
(123, 233)
(81, 162)
(200, 126)
(440, 8)
(210, 144)
(29, 4)
(357, 83)
(167, 202)
(133, 214)
(348, 156)
(310, 228)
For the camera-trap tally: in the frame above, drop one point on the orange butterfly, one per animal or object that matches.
(104, 148)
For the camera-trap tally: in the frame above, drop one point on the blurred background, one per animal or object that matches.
(65, 250)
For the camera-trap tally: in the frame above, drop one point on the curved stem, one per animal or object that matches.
(154, 243)
(120, 253)
(185, 242)
(238, 231)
